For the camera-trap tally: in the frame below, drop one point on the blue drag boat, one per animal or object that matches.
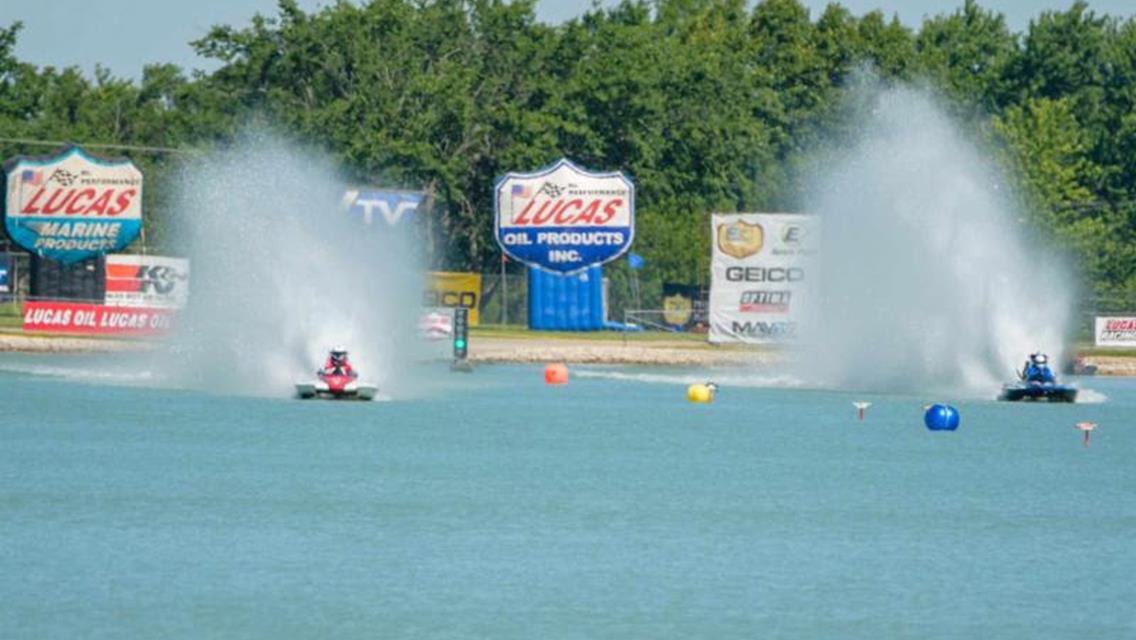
(1037, 382)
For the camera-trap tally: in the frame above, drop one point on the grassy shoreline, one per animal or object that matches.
(492, 344)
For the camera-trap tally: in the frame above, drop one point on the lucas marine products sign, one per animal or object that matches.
(762, 265)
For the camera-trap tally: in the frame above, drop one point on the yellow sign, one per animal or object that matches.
(452, 289)
(740, 239)
(677, 309)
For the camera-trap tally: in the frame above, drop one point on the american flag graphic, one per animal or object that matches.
(34, 178)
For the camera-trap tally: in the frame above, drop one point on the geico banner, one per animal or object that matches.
(95, 319)
(390, 207)
(147, 281)
(761, 268)
(72, 206)
(450, 289)
(1115, 332)
(564, 218)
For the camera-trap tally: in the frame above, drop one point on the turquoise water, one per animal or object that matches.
(493, 506)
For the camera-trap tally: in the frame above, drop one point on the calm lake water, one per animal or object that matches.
(493, 506)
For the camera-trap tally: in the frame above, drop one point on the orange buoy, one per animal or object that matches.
(556, 373)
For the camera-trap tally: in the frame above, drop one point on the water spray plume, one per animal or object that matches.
(925, 278)
(281, 273)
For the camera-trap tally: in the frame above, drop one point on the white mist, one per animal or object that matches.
(281, 273)
(926, 279)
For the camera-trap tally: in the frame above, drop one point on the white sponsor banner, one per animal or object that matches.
(436, 323)
(761, 268)
(1115, 331)
(147, 281)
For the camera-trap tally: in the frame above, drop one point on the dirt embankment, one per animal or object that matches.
(486, 349)
(535, 350)
(34, 343)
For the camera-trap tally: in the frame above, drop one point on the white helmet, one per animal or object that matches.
(1041, 358)
(339, 352)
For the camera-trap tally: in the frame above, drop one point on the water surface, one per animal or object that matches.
(493, 506)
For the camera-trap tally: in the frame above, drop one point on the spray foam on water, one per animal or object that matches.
(927, 281)
(281, 274)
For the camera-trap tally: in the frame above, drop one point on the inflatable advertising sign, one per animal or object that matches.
(72, 206)
(563, 218)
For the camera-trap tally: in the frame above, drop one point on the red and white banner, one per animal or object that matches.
(437, 324)
(96, 319)
(1115, 331)
(146, 281)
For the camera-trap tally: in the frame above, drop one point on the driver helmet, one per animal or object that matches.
(339, 353)
(1041, 359)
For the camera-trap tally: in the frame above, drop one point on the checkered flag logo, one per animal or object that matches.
(63, 177)
(551, 190)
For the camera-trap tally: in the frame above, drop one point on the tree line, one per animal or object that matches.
(711, 105)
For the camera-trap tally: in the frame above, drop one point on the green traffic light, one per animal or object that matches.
(459, 343)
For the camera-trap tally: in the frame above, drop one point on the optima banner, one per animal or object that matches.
(564, 218)
(147, 281)
(72, 206)
(761, 268)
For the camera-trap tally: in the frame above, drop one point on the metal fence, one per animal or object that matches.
(505, 299)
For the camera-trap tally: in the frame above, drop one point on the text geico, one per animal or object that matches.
(765, 274)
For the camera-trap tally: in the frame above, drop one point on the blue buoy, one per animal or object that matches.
(941, 417)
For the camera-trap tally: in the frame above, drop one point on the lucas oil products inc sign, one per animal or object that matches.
(564, 218)
(73, 205)
(762, 267)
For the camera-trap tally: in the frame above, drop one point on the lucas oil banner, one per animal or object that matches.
(72, 206)
(1115, 332)
(564, 218)
(95, 319)
(762, 266)
(147, 281)
(452, 290)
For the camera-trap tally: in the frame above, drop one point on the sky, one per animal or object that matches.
(123, 35)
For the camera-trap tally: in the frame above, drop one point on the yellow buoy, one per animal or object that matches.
(701, 393)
